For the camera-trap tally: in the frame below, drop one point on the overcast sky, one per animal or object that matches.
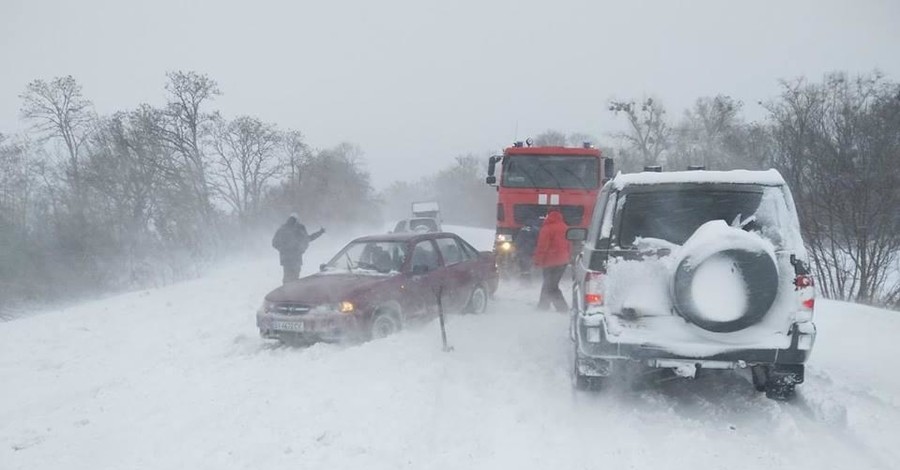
(417, 82)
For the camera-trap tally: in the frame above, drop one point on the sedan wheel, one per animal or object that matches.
(384, 325)
(478, 301)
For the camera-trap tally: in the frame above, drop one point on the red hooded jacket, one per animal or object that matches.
(553, 248)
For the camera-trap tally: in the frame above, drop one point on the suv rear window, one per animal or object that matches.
(673, 215)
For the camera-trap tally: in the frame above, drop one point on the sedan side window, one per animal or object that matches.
(468, 252)
(425, 257)
(450, 251)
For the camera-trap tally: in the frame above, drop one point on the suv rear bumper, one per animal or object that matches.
(802, 337)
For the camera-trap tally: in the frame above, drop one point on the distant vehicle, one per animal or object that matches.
(417, 225)
(690, 271)
(377, 285)
(534, 179)
(426, 209)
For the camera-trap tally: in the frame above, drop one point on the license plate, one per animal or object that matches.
(288, 326)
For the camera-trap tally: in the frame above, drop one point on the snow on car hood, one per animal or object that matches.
(326, 288)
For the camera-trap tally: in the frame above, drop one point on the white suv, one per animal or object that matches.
(691, 271)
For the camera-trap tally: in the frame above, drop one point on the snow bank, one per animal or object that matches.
(177, 378)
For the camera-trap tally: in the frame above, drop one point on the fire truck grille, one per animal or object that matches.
(522, 213)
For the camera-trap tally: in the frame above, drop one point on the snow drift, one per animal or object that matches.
(178, 378)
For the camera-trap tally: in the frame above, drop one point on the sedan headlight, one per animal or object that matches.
(346, 307)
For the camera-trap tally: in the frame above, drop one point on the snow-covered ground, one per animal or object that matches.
(177, 378)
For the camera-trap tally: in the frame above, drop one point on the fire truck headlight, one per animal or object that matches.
(504, 237)
(505, 246)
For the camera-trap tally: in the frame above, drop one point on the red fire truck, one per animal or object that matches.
(533, 180)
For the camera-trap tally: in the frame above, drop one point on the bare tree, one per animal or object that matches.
(335, 186)
(247, 151)
(296, 152)
(554, 138)
(701, 138)
(463, 196)
(58, 110)
(126, 167)
(713, 134)
(550, 138)
(15, 184)
(131, 202)
(578, 139)
(838, 144)
(459, 188)
(184, 125)
(649, 134)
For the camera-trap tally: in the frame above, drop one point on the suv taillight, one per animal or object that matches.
(593, 289)
(803, 281)
(805, 289)
(806, 293)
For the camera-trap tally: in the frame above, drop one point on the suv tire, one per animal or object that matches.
(761, 278)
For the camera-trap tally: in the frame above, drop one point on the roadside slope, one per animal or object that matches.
(178, 378)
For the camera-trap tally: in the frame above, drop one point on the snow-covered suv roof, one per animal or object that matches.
(764, 178)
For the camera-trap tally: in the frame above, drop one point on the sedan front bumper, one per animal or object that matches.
(310, 327)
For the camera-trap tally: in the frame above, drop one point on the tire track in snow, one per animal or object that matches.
(810, 419)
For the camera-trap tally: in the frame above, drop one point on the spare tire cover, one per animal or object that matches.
(725, 279)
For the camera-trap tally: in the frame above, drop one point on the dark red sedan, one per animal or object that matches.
(378, 284)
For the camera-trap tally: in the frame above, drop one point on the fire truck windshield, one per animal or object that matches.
(550, 171)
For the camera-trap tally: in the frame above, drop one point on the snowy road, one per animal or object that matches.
(177, 378)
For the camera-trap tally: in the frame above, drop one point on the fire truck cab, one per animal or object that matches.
(532, 181)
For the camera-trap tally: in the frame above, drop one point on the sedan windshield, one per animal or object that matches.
(550, 171)
(384, 257)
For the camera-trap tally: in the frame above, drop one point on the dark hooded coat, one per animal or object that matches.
(291, 240)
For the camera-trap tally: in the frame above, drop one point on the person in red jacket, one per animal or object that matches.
(552, 255)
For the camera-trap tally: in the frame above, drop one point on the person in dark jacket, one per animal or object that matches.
(291, 240)
(552, 255)
(525, 243)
